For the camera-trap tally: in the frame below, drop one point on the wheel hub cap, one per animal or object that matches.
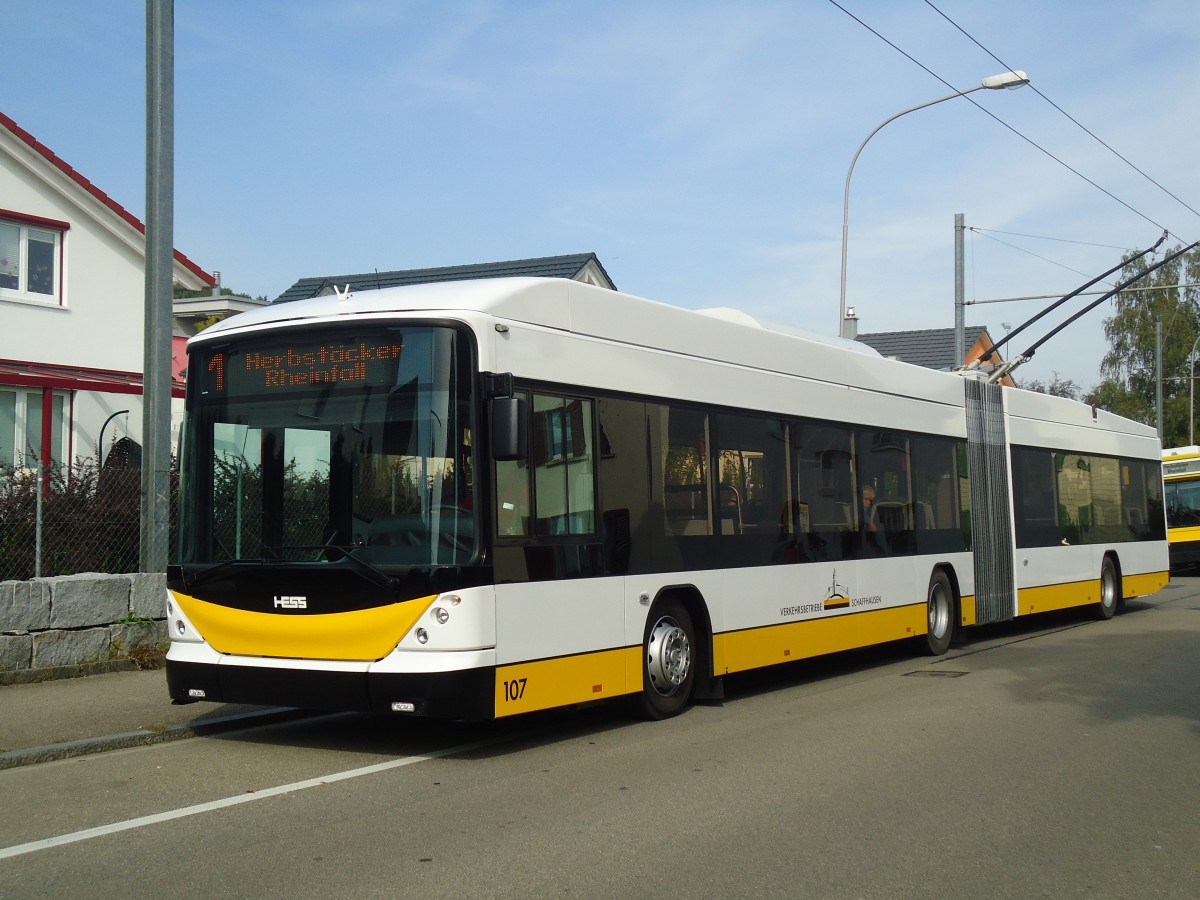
(669, 656)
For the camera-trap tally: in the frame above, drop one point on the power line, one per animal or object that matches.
(996, 118)
(1045, 259)
(1085, 129)
(1042, 237)
(1131, 290)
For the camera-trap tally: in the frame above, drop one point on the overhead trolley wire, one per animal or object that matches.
(1008, 367)
(987, 111)
(1079, 124)
(1075, 293)
(1041, 237)
(982, 232)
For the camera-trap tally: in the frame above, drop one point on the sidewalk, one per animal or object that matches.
(74, 716)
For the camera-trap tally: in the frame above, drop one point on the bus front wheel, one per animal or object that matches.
(668, 661)
(940, 607)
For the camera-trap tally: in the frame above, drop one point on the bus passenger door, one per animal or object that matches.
(559, 623)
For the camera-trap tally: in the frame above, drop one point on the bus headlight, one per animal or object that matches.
(179, 627)
(441, 614)
(422, 636)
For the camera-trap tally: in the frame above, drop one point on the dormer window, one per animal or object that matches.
(31, 258)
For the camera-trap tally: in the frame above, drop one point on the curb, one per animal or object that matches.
(145, 737)
(81, 670)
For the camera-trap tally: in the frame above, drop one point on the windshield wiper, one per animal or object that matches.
(369, 572)
(208, 571)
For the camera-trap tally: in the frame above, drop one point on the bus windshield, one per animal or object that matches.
(329, 443)
(1183, 503)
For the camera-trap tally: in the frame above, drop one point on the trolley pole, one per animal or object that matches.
(156, 363)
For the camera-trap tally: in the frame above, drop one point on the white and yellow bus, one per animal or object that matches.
(1181, 477)
(484, 498)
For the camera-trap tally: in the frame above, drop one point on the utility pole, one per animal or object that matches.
(160, 242)
(1158, 376)
(960, 342)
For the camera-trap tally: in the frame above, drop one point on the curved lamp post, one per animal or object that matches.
(100, 443)
(1010, 80)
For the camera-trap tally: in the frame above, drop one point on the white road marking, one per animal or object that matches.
(249, 797)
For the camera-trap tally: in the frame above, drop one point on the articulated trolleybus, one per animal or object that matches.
(477, 499)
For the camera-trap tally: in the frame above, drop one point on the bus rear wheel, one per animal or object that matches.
(668, 661)
(1110, 590)
(940, 607)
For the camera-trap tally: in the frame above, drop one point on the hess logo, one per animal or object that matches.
(284, 602)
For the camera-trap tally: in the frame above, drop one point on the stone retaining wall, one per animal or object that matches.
(49, 624)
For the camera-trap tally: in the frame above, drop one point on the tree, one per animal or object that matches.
(1128, 385)
(211, 321)
(1057, 387)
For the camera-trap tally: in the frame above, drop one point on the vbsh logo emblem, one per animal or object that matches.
(836, 597)
(291, 602)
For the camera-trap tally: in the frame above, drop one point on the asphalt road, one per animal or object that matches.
(1054, 758)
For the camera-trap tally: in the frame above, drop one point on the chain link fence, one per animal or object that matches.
(83, 518)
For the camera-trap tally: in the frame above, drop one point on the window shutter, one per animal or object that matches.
(10, 256)
(577, 445)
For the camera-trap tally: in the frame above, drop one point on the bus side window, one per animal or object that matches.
(564, 465)
(1035, 497)
(825, 514)
(512, 498)
(686, 498)
(935, 506)
(622, 445)
(884, 462)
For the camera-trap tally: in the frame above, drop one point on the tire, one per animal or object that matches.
(1110, 590)
(668, 661)
(940, 607)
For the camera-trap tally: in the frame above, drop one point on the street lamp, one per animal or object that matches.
(1010, 80)
(100, 443)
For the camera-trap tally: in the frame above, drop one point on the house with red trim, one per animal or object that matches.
(72, 304)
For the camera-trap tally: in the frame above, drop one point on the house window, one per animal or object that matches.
(29, 261)
(21, 427)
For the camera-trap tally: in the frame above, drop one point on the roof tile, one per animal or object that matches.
(567, 266)
(932, 348)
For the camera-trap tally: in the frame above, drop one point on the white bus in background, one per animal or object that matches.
(1181, 477)
(476, 499)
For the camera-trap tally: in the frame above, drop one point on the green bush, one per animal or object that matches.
(89, 520)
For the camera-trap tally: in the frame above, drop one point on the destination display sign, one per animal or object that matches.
(1181, 467)
(300, 366)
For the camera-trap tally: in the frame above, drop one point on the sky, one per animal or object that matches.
(699, 148)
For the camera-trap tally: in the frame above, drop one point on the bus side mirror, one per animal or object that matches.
(509, 441)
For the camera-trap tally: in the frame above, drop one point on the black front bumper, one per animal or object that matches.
(467, 695)
(1184, 554)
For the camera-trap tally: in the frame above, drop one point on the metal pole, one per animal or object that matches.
(1158, 376)
(156, 366)
(960, 340)
(1192, 393)
(37, 525)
